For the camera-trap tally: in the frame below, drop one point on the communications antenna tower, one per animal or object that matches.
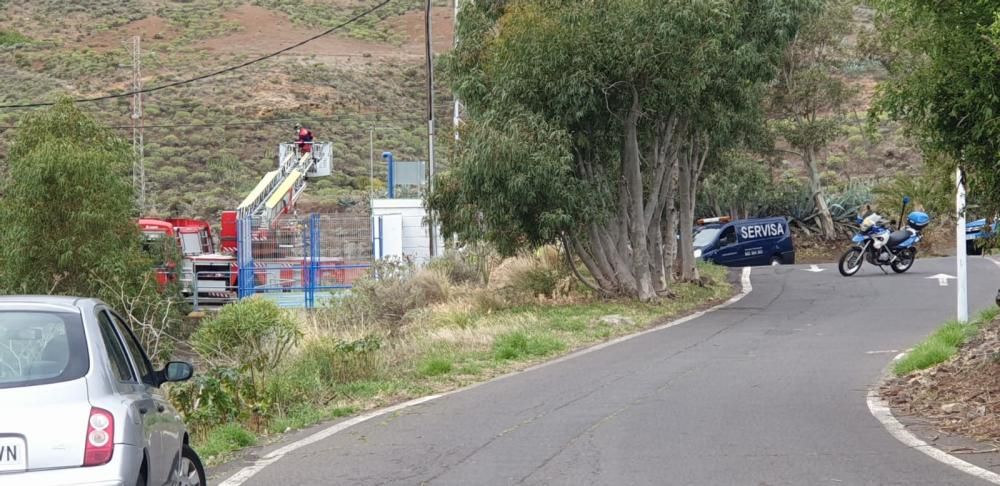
(138, 164)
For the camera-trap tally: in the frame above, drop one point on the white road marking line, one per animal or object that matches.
(880, 410)
(244, 475)
(813, 268)
(884, 351)
(942, 278)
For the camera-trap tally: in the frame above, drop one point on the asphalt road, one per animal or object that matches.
(768, 391)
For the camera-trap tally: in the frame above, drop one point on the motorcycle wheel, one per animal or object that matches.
(904, 262)
(850, 261)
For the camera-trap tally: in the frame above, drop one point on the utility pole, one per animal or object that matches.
(371, 164)
(960, 257)
(138, 164)
(430, 124)
(457, 118)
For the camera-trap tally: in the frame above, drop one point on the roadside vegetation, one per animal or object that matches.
(943, 343)
(67, 206)
(465, 318)
(950, 380)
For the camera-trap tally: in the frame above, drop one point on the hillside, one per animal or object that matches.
(208, 142)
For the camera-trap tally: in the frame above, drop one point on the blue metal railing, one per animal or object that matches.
(292, 283)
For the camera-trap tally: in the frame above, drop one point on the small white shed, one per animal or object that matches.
(399, 230)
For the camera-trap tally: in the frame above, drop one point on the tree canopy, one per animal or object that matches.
(67, 205)
(68, 212)
(590, 120)
(945, 71)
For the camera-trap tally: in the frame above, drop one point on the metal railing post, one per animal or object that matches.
(194, 291)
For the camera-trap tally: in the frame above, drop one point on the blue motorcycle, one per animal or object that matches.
(877, 243)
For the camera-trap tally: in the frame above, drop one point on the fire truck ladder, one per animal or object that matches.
(277, 190)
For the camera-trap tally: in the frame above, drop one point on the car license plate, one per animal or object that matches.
(13, 454)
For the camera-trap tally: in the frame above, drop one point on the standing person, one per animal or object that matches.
(305, 139)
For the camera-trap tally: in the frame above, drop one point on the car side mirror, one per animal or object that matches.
(177, 371)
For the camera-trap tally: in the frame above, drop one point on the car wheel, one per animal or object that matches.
(141, 480)
(190, 470)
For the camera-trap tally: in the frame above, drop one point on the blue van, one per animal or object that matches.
(744, 243)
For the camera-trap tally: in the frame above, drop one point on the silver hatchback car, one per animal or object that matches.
(80, 402)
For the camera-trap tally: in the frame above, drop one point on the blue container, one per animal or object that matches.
(918, 220)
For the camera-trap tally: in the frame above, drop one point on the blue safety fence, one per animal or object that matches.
(300, 263)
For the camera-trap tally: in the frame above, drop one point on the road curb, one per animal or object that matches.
(880, 409)
(244, 474)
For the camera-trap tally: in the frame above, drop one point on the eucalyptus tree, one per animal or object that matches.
(943, 83)
(810, 93)
(588, 118)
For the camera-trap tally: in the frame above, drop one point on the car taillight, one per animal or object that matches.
(100, 438)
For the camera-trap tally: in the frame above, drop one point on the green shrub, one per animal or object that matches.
(930, 190)
(518, 344)
(536, 281)
(226, 438)
(12, 38)
(251, 336)
(435, 366)
(347, 361)
(210, 398)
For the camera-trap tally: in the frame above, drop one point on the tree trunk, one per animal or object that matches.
(626, 252)
(816, 188)
(657, 264)
(689, 270)
(670, 224)
(632, 171)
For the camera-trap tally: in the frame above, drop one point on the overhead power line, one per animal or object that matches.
(306, 120)
(219, 72)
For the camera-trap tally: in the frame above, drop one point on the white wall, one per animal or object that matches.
(411, 238)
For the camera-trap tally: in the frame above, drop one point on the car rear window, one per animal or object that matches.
(38, 348)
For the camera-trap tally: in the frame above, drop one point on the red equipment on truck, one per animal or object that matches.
(213, 275)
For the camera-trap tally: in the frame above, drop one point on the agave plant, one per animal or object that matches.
(847, 203)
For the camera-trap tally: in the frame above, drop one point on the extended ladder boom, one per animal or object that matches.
(279, 189)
